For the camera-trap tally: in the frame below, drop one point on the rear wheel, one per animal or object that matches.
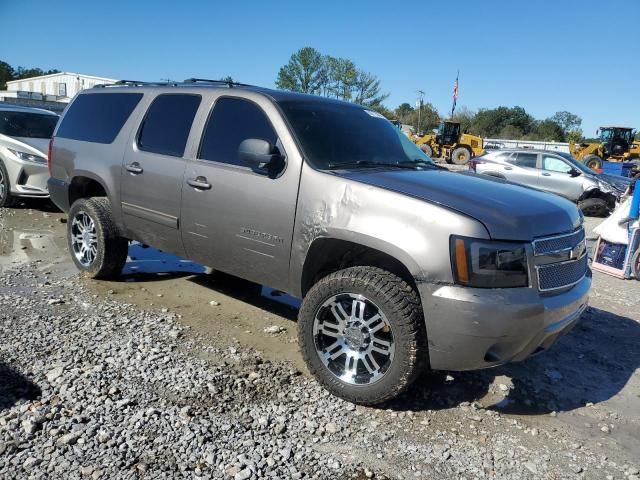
(6, 199)
(594, 162)
(460, 156)
(594, 207)
(362, 335)
(94, 243)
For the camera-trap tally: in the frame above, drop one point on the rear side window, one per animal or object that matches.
(527, 160)
(165, 129)
(24, 124)
(98, 117)
(232, 121)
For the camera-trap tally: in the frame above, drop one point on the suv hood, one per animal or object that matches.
(508, 211)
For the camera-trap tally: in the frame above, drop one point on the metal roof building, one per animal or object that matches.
(52, 91)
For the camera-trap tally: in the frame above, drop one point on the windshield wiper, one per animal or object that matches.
(423, 163)
(369, 164)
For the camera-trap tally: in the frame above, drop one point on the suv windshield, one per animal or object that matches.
(335, 136)
(24, 124)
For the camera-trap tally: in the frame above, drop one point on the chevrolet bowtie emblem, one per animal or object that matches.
(577, 251)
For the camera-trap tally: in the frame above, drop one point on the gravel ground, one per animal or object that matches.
(197, 376)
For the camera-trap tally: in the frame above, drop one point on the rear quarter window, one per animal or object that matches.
(97, 117)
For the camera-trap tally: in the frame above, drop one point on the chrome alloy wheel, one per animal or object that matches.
(84, 239)
(353, 338)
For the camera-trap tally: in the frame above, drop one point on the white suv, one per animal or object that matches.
(24, 142)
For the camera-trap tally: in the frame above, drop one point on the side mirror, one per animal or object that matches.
(260, 155)
(575, 172)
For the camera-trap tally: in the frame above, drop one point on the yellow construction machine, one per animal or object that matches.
(450, 143)
(616, 144)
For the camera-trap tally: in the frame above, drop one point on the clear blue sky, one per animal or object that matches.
(581, 56)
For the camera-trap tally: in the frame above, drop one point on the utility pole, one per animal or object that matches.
(419, 102)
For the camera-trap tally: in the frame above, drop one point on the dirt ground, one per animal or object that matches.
(585, 391)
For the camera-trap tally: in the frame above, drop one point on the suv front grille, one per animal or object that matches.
(561, 260)
(561, 275)
(560, 242)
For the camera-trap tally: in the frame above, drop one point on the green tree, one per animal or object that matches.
(465, 117)
(303, 72)
(367, 90)
(510, 132)
(491, 122)
(568, 122)
(425, 119)
(7, 73)
(403, 112)
(548, 130)
(574, 136)
(342, 75)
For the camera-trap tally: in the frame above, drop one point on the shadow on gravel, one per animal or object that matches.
(40, 204)
(592, 363)
(254, 294)
(14, 386)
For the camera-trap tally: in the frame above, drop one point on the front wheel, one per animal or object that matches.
(426, 148)
(594, 207)
(362, 335)
(6, 199)
(94, 243)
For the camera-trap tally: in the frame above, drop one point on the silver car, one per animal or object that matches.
(24, 141)
(555, 172)
(401, 265)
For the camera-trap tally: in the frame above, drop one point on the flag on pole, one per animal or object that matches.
(455, 94)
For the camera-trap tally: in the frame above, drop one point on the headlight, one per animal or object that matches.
(28, 157)
(489, 264)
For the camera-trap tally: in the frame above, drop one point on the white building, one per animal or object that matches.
(52, 92)
(63, 86)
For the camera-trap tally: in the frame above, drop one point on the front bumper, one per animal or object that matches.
(470, 328)
(28, 179)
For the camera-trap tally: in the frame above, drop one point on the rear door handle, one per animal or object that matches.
(199, 183)
(508, 168)
(134, 168)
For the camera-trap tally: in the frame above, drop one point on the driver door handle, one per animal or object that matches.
(134, 168)
(545, 174)
(508, 168)
(199, 183)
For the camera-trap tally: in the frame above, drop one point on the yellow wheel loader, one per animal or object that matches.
(616, 144)
(451, 144)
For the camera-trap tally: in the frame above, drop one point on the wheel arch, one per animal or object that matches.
(84, 184)
(329, 254)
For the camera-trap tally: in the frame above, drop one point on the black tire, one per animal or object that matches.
(593, 162)
(6, 199)
(110, 248)
(594, 207)
(399, 303)
(460, 156)
(426, 148)
(635, 264)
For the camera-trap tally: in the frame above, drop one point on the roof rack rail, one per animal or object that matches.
(221, 82)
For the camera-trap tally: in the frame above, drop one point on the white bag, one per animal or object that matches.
(610, 230)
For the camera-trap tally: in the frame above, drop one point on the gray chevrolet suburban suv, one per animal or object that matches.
(401, 264)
